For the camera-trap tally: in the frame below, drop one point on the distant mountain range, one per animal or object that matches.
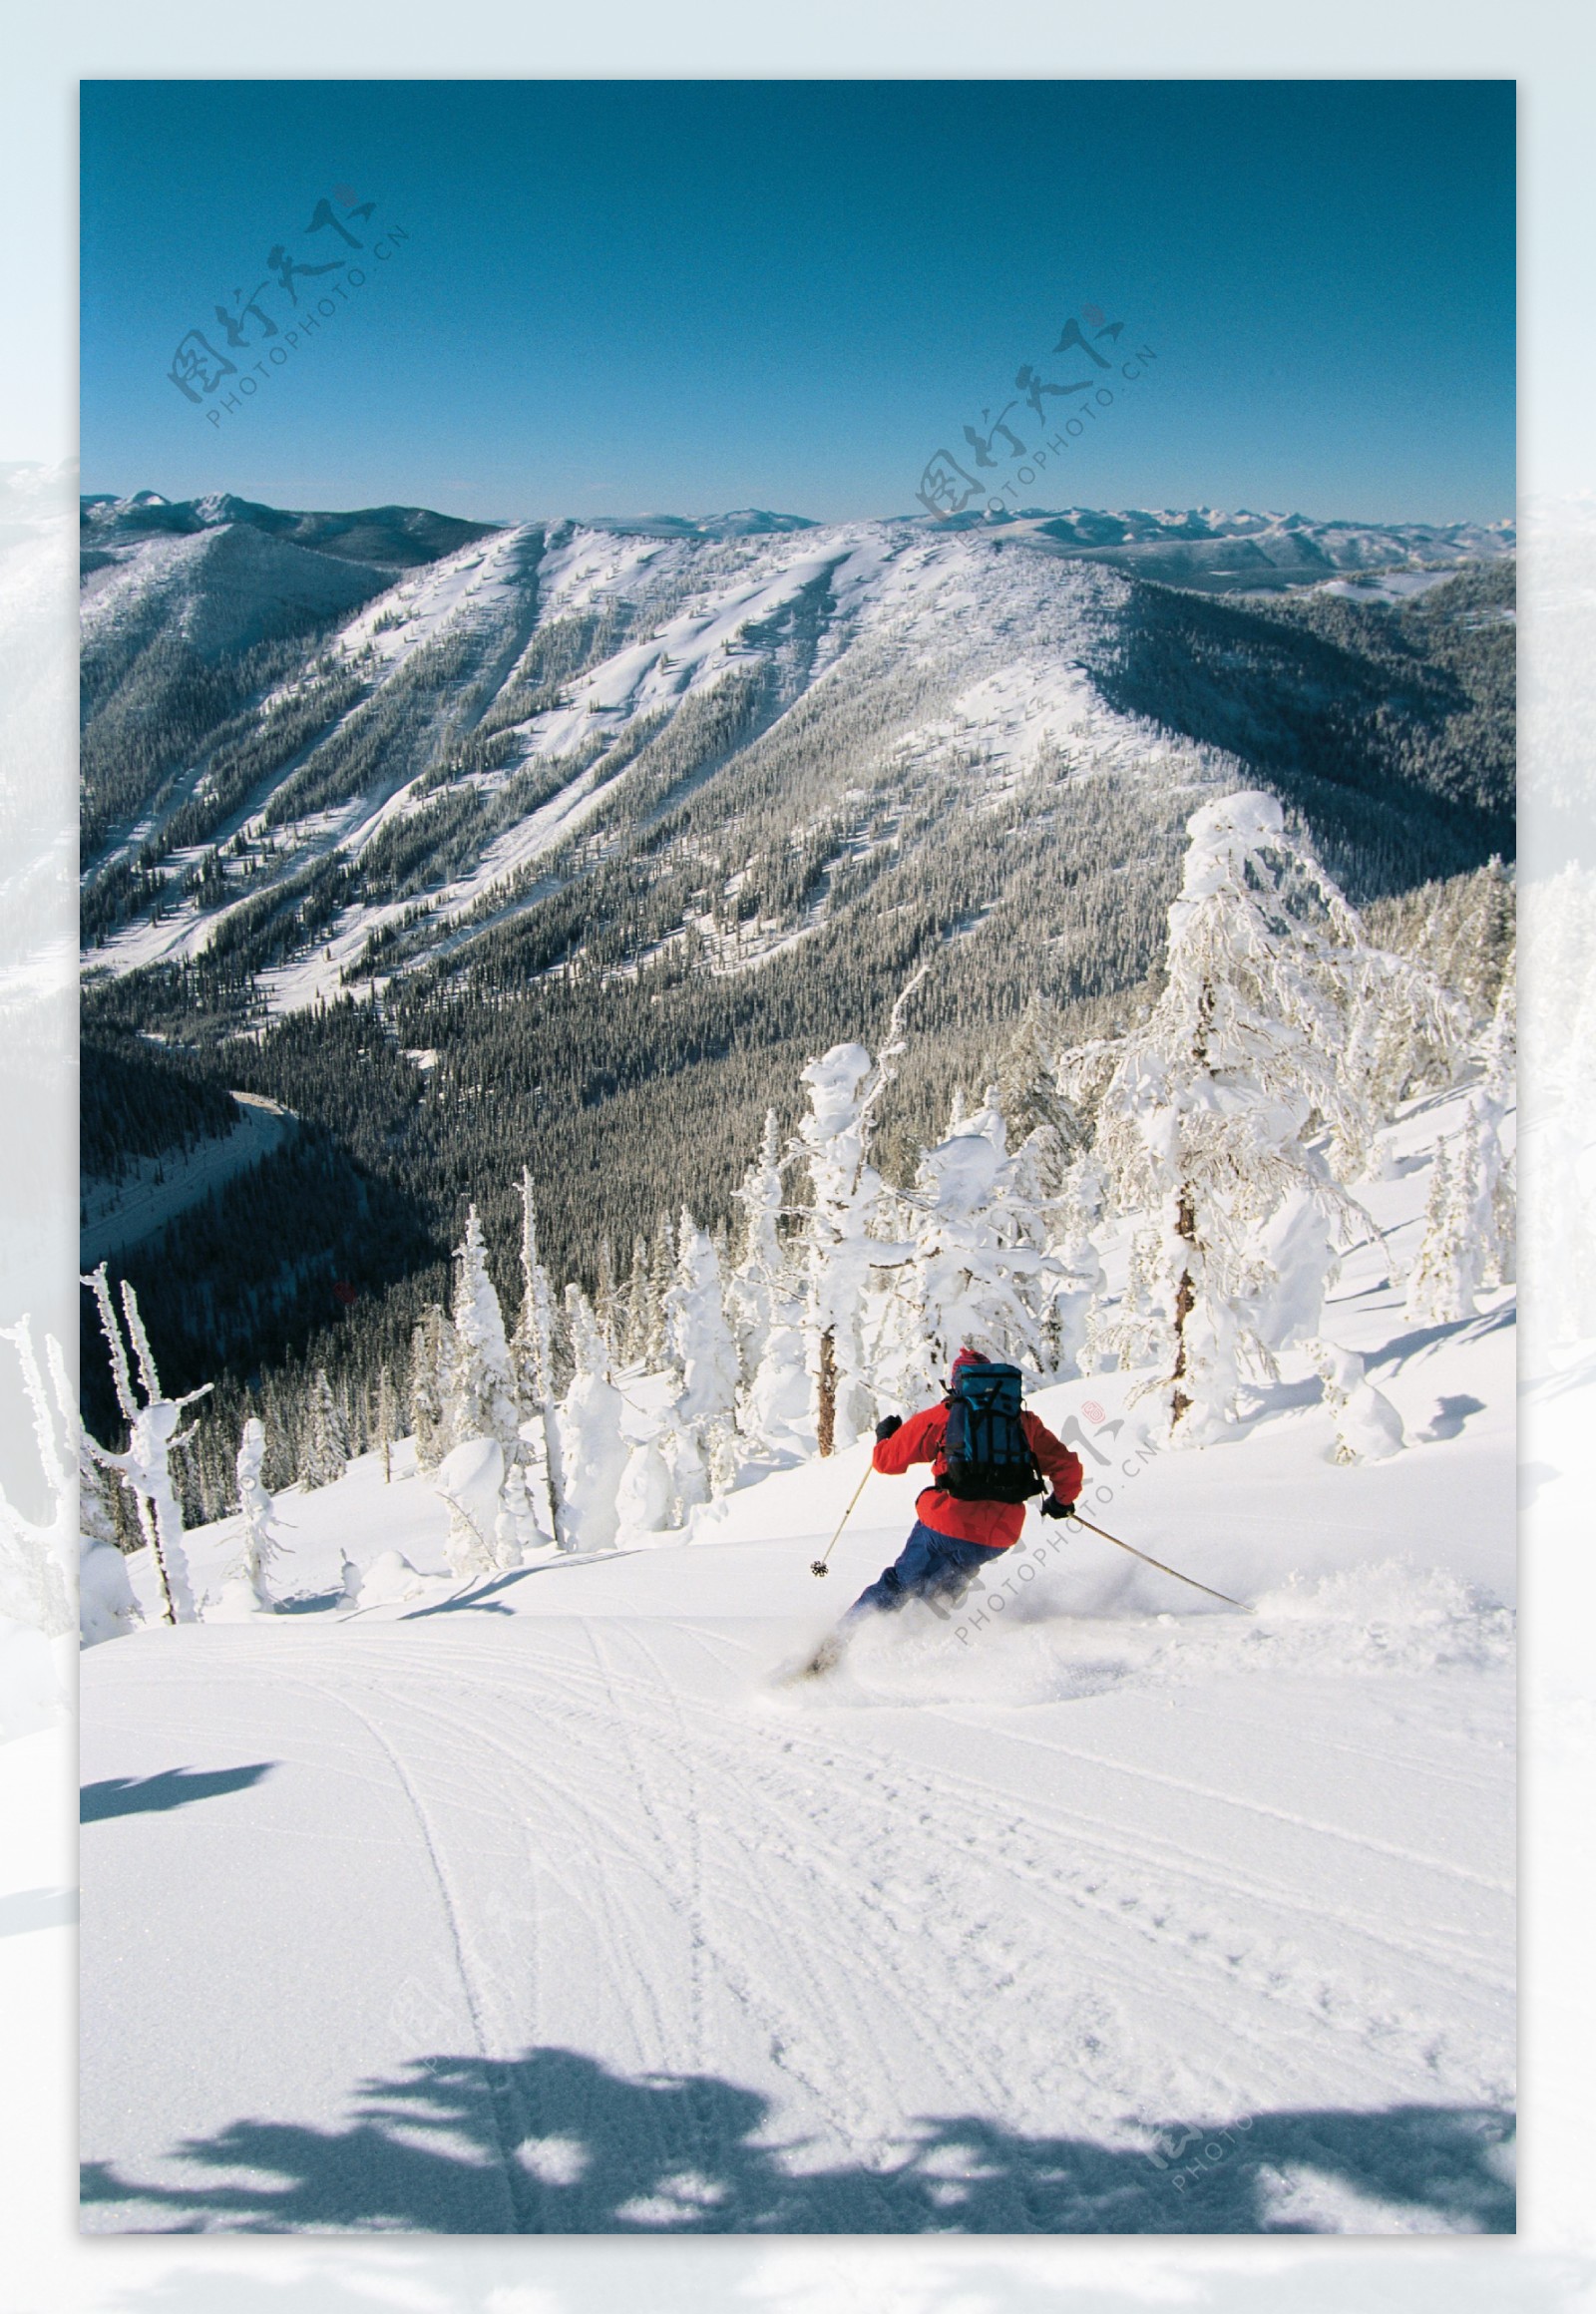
(609, 826)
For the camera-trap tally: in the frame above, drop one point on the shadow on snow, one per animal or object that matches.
(553, 2142)
(173, 1787)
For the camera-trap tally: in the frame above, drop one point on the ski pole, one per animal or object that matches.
(819, 1566)
(1159, 1564)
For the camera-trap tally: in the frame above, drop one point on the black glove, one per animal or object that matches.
(1054, 1508)
(888, 1425)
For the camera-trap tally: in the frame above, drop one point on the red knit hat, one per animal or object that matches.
(966, 1357)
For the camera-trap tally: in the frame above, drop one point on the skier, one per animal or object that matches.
(961, 1526)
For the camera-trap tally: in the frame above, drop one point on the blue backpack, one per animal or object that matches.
(988, 1454)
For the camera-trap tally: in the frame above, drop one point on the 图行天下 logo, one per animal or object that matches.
(285, 310)
(1008, 452)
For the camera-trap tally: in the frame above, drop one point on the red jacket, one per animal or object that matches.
(996, 1524)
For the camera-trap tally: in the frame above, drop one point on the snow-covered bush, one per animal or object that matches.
(643, 1497)
(764, 1301)
(470, 1479)
(1367, 1426)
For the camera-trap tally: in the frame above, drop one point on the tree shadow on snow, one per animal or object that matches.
(1450, 1416)
(555, 2143)
(1402, 1347)
(173, 1787)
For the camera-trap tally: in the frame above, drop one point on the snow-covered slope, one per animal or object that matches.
(545, 1904)
(504, 720)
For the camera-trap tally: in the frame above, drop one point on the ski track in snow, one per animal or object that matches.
(777, 1896)
(551, 1905)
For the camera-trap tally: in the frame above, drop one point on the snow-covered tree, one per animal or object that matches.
(1458, 1233)
(637, 1330)
(1496, 1208)
(643, 1497)
(844, 1088)
(1134, 1330)
(385, 1421)
(1400, 1031)
(844, 1192)
(607, 1307)
(1204, 1122)
(1038, 1114)
(486, 1398)
(592, 1449)
(766, 1301)
(700, 1424)
(428, 1388)
(470, 1479)
(532, 1353)
(1074, 1284)
(972, 1269)
(662, 1269)
(324, 1450)
(258, 1542)
(154, 1429)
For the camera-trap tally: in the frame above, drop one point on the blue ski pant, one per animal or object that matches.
(936, 1568)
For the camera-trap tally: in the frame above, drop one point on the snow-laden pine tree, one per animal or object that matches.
(1132, 1331)
(974, 1271)
(592, 1448)
(532, 1354)
(325, 1446)
(385, 1421)
(427, 1383)
(1204, 1122)
(635, 1331)
(258, 1539)
(844, 1088)
(1038, 1113)
(607, 1302)
(154, 1429)
(1495, 1218)
(485, 1400)
(662, 1269)
(1073, 1283)
(699, 1428)
(483, 1391)
(844, 1192)
(1448, 1270)
(1402, 1032)
(765, 1304)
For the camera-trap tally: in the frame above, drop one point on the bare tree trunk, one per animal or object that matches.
(826, 1413)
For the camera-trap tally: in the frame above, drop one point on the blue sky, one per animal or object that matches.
(627, 297)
